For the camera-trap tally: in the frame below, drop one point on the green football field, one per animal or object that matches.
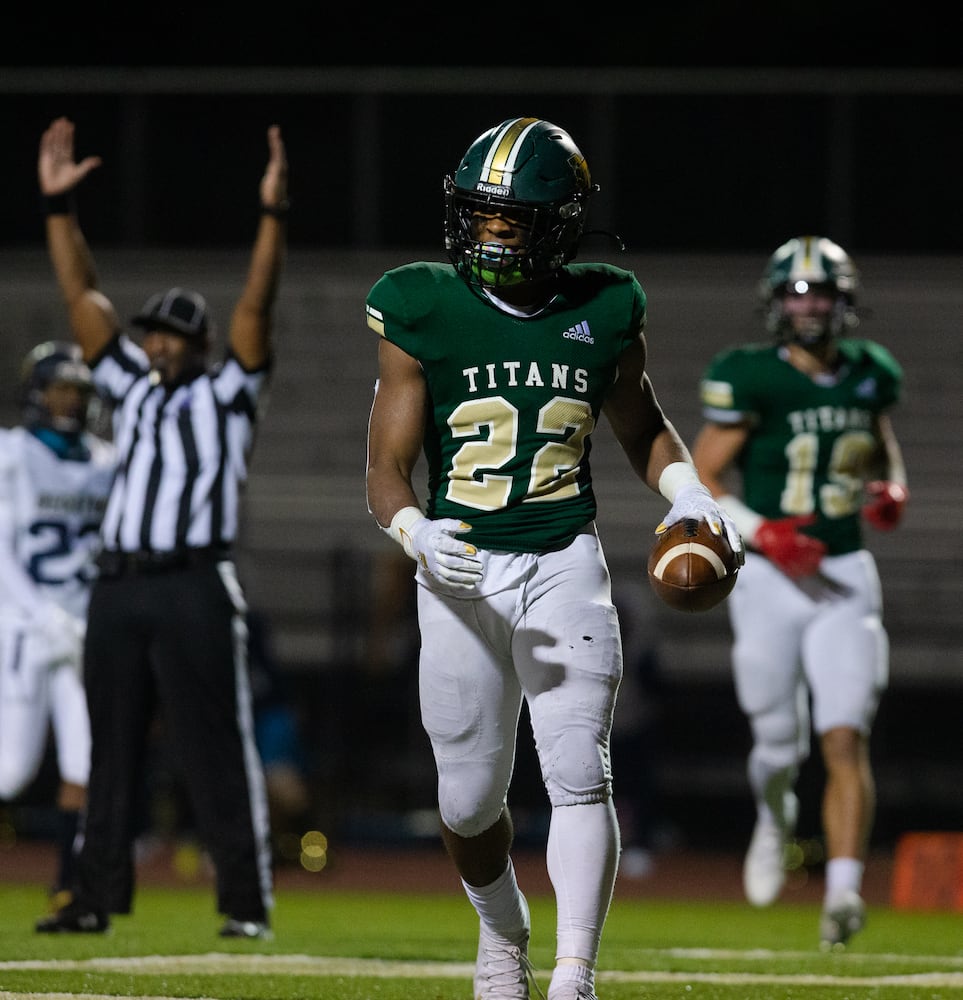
(379, 946)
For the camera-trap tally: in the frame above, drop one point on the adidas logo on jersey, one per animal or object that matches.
(579, 332)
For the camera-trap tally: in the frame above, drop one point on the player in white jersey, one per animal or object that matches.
(54, 480)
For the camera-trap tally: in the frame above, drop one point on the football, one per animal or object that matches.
(690, 568)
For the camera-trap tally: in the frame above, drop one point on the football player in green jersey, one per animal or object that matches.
(802, 423)
(497, 365)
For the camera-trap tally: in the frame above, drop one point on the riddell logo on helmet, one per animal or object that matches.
(497, 189)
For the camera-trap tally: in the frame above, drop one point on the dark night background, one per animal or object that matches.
(711, 131)
(716, 131)
(702, 33)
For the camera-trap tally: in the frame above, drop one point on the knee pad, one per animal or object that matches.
(469, 801)
(576, 767)
(768, 761)
(780, 733)
(578, 770)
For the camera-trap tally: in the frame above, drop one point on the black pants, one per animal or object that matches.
(174, 639)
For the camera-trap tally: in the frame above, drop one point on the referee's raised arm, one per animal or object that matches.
(92, 316)
(251, 321)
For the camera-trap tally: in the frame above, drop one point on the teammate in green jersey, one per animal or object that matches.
(497, 366)
(802, 423)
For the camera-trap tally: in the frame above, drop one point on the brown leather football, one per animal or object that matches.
(690, 568)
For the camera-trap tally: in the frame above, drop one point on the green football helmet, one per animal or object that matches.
(532, 172)
(802, 263)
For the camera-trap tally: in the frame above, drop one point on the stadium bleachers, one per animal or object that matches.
(309, 545)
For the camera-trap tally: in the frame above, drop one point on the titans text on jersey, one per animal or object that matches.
(560, 378)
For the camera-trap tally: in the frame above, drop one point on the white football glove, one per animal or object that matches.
(63, 634)
(694, 500)
(433, 545)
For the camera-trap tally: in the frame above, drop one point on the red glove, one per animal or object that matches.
(784, 544)
(885, 510)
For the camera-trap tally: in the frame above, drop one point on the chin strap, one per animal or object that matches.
(614, 237)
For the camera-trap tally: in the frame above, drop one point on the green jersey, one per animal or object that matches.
(513, 400)
(811, 442)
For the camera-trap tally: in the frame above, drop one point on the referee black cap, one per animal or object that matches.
(178, 310)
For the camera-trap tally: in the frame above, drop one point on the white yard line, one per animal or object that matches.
(328, 966)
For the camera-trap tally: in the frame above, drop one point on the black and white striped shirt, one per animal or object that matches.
(183, 451)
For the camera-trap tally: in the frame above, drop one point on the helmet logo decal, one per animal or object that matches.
(499, 190)
(580, 169)
(499, 165)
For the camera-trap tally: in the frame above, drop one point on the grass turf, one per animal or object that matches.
(375, 946)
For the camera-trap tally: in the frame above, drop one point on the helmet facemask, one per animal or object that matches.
(553, 235)
(811, 331)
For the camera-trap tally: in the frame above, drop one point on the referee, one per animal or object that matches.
(167, 618)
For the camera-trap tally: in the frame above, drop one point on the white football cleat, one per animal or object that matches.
(843, 916)
(502, 969)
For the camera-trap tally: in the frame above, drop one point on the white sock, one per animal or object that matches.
(583, 856)
(565, 975)
(843, 874)
(769, 784)
(501, 905)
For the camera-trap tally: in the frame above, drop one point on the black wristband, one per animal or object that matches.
(58, 204)
(276, 211)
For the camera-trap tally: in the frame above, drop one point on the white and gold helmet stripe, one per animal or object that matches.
(807, 261)
(503, 152)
